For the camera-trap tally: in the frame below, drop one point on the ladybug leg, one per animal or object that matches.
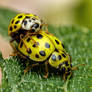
(29, 67)
(21, 38)
(12, 45)
(18, 54)
(30, 34)
(70, 58)
(67, 75)
(34, 42)
(45, 26)
(64, 77)
(76, 67)
(48, 33)
(46, 69)
(15, 53)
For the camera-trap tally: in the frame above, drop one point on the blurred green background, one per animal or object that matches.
(84, 13)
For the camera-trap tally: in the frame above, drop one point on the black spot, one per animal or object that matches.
(39, 36)
(15, 26)
(67, 74)
(29, 51)
(27, 17)
(57, 41)
(12, 21)
(25, 22)
(66, 63)
(59, 57)
(63, 69)
(35, 25)
(17, 22)
(11, 28)
(20, 16)
(60, 65)
(69, 70)
(63, 45)
(42, 53)
(21, 44)
(63, 55)
(34, 45)
(56, 50)
(37, 56)
(30, 20)
(64, 52)
(28, 39)
(33, 30)
(47, 45)
(53, 57)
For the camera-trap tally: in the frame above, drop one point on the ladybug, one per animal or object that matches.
(49, 51)
(24, 22)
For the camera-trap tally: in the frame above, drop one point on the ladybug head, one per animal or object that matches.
(32, 24)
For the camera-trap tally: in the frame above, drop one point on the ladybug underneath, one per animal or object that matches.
(49, 50)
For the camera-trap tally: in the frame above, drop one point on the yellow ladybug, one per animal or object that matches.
(49, 49)
(23, 24)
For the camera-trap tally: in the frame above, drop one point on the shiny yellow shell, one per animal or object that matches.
(43, 41)
(61, 60)
(57, 43)
(48, 48)
(37, 53)
(15, 23)
(58, 58)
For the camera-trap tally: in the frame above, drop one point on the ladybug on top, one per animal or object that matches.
(23, 23)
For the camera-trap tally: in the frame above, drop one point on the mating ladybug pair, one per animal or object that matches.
(38, 44)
